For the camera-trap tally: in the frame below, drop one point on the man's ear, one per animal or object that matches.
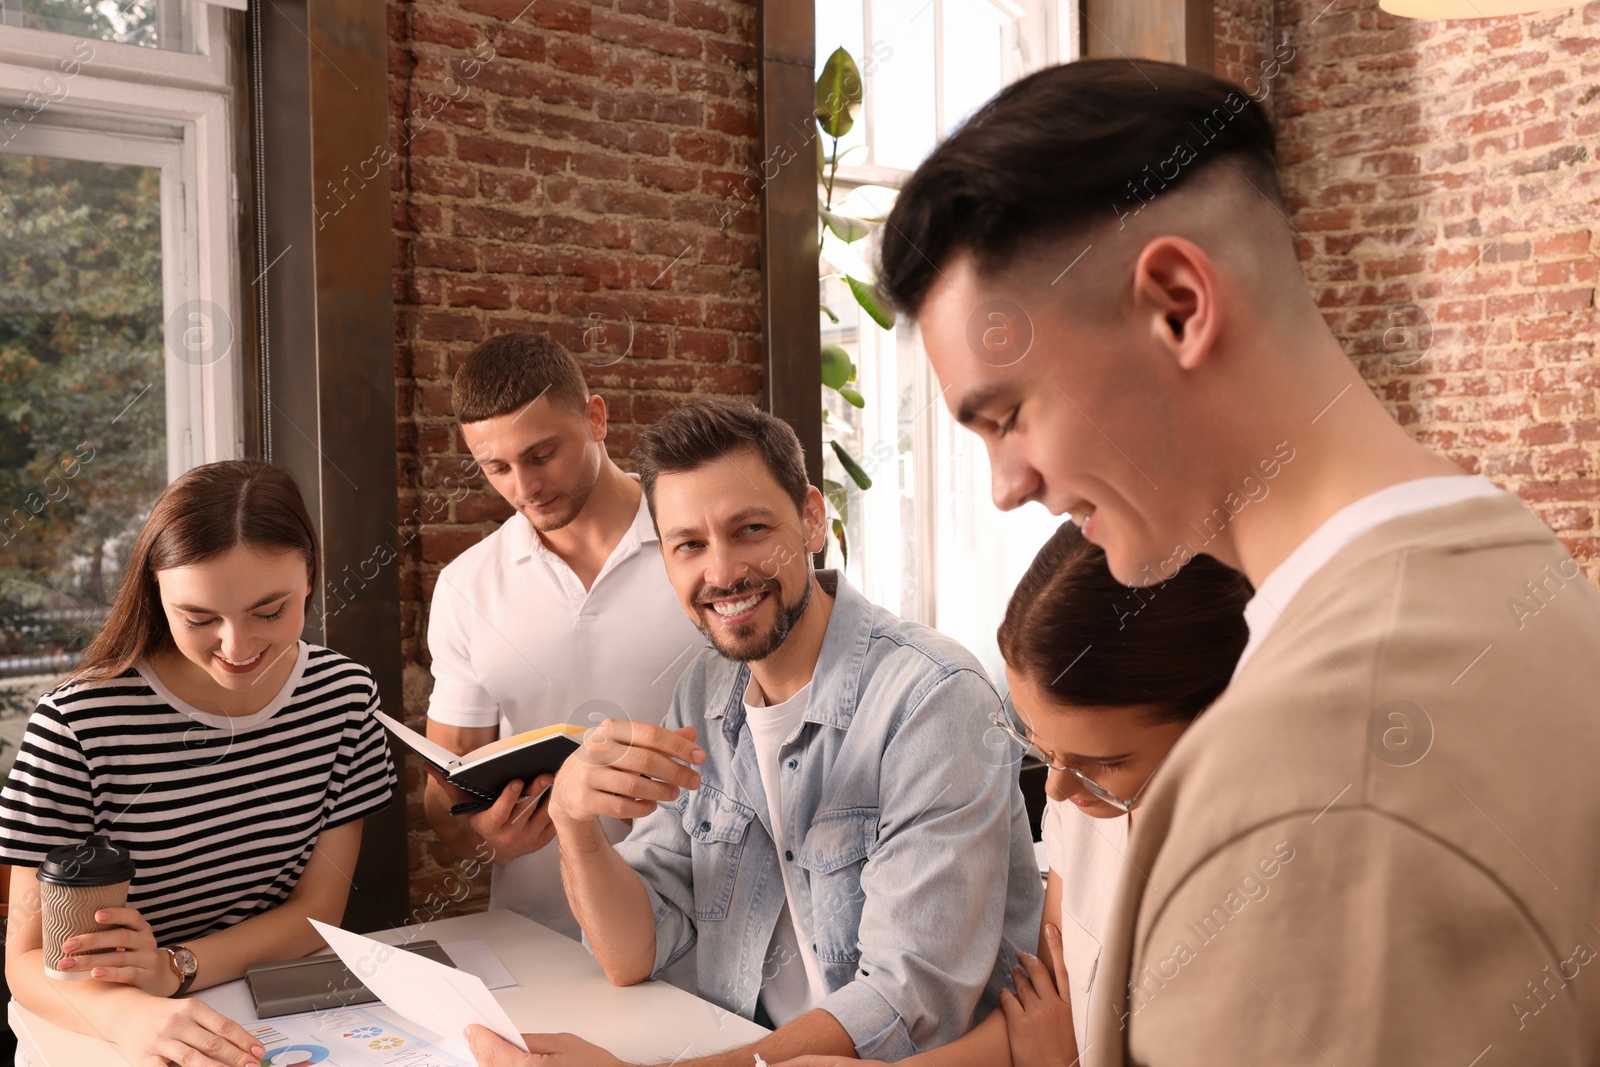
(816, 519)
(594, 409)
(1175, 290)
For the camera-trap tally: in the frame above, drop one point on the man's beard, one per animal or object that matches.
(750, 647)
(576, 497)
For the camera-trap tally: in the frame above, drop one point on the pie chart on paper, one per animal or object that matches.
(295, 1056)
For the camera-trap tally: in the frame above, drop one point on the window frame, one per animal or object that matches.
(121, 99)
(1057, 23)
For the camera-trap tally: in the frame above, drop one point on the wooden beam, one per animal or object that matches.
(1178, 31)
(327, 336)
(791, 331)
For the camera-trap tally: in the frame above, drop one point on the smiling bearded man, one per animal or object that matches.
(820, 813)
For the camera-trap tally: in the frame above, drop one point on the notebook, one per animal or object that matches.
(485, 772)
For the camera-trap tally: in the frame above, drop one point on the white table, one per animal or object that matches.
(560, 989)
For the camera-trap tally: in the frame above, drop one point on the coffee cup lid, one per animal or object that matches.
(95, 862)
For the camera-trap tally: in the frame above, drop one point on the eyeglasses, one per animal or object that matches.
(1005, 718)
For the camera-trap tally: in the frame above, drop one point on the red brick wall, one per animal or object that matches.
(553, 161)
(1244, 39)
(1443, 179)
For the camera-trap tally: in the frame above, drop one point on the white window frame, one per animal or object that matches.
(172, 110)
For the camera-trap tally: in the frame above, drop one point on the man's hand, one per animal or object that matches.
(1039, 1016)
(516, 824)
(545, 1050)
(623, 769)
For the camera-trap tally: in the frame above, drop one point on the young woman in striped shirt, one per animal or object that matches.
(232, 759)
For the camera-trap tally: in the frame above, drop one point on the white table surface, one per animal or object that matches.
(560, 989)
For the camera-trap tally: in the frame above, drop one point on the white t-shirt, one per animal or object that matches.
(792, 982)
(1088, 855)
(518, 643)
(1343, 527)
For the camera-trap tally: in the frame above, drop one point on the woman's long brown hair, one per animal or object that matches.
(204, 512)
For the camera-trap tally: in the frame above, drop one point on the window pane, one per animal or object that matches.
(83, 420)
(983, 552)
(900, 91)
(972, 59)
(149, 23)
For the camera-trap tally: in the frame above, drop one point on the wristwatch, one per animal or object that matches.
(184, 965)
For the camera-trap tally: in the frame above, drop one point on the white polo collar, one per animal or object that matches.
(521, 541)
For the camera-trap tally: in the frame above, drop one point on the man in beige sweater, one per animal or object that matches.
(1380, 845)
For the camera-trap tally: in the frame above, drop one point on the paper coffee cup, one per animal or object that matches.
(75, 881)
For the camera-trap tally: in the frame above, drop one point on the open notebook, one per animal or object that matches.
(485, 772)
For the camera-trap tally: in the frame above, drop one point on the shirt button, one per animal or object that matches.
(788, 855)
(793, 763)
(705, 827)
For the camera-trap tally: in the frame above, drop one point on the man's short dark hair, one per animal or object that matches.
(509, 372)
(704, 429)
(1066, 149)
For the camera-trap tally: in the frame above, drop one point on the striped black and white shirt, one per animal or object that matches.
(220, 813)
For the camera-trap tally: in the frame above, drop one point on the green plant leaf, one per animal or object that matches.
(828, 311)
(847, 229)
(836, 367)
(844, 549)
(851, 467)
(853, 148)
(871, 301)
(839, 90)
(852, 397)
(839, 497)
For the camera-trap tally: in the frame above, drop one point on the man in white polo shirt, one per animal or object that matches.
(563, 614)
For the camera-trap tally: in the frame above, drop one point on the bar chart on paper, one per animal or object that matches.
(350, 1037)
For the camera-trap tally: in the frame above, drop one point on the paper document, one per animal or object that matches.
(435, 997)
(347, 1037)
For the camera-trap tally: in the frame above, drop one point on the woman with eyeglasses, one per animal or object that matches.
(1103, 681)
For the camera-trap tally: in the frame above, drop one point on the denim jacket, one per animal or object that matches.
(913, 865)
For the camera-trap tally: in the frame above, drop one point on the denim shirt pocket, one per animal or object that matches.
(835, 849)
(717, 826)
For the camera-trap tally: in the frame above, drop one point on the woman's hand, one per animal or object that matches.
(135, 961)
(158, 1032)
(1039, 1015)
(830, 1061)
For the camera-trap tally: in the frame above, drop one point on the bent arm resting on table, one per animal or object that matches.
(129, 1007)
(623, 769)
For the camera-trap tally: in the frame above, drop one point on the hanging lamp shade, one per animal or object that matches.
(1466, 9)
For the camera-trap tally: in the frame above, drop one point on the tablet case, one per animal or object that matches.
(316, 983)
